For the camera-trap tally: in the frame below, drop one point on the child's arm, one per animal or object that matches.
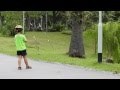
(25, 39)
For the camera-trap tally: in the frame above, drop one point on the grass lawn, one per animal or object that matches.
(53, 46)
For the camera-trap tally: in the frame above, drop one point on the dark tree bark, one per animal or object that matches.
(55, 16)
(76, 48)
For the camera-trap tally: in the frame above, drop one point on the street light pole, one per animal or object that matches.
(41, 23)
(100, 38)
(0, 21)
(46, 20)
(23, 20)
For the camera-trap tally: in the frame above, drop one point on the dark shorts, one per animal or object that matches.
(22, 53)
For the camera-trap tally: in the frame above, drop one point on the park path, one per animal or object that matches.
(45, 70)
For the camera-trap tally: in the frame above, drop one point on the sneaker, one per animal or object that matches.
(19, 68)
(28, 67)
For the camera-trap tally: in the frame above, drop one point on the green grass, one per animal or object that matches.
(54, 50)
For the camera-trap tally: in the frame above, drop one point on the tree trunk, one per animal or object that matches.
(76, 46)
(54, 17)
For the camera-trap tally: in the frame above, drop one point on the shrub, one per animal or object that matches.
(111, 40)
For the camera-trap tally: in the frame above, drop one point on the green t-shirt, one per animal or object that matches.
(20, 42)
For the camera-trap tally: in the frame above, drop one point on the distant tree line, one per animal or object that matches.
(56, 20)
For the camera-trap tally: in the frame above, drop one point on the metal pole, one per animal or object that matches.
(46, 20)
(41, 22)
(100, 38)
(23, 20)
(0, 21)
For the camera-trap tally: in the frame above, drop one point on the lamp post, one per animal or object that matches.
(0, 19)
(46, 20)
(100, 38)
(23, 20)
(41, 23)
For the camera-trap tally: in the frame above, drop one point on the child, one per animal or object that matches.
(20, 41)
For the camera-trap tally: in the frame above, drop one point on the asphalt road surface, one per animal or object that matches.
(45, 70)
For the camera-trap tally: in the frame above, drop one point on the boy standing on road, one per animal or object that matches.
(20, 41)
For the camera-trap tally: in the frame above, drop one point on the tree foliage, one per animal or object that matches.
(111, 40)
(11, 19)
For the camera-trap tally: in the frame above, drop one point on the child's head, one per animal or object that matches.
(18, 28)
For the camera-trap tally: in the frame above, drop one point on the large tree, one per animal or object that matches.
(76, 48)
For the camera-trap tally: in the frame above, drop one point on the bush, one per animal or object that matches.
(58, 27)
(9, 28)
(111, 40)
(12, 18)
(5, 31)
(67, 32)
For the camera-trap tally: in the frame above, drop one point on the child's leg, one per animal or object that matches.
(26, 62)
(19, 60)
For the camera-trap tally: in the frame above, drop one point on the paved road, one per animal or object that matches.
(44, 70)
